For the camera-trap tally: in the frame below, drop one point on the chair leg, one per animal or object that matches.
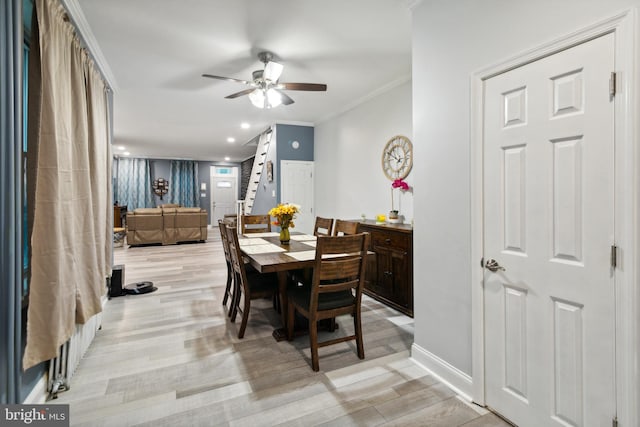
(245, 316)
(313, 340)
(357, 325)
(227, 290)
(235, 297)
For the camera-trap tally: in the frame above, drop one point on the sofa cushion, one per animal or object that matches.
(188, 210)
(169, 205)
(147, 211)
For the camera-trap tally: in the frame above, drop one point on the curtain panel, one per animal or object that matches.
(183, 184)
(70, 169)
(133, 183)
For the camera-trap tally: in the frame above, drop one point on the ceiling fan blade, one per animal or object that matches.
(286, 99)
(272, 71)
(238, 94)
(302, 86)
(230, 79)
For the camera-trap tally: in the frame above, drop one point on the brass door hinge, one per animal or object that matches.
(612, 84)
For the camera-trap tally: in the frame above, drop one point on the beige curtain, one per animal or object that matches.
(69, 166)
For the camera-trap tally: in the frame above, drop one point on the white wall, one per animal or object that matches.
(348, 154)
(451, 41)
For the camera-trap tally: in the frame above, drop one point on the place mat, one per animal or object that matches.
(252, 235)
(247, 241)
(262, 249)
(310, 255)
(302, 255)
(312, 244)
(302, 237)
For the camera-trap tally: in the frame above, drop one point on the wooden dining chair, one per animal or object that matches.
(256, 224)
(228, 291)
(345, 227)
(247, 286)
(323, 226)
(336, 289)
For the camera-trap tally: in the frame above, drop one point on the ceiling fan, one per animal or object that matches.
(265, 91)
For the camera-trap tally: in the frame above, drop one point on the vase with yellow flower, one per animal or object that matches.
(284, 214)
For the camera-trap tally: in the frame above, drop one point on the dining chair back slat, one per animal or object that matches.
(256, 224)
(343, 227)
(323, 226)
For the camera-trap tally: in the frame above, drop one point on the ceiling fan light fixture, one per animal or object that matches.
(257, 98)
(274, 98)
(269, 98)
(264, 89)
(272, 71)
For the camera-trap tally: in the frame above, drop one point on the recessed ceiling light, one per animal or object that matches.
(226, 159)
(120, 147)
(126, 153)
(245, 125)
(231, 139)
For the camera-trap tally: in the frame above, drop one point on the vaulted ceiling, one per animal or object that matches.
(154, 52)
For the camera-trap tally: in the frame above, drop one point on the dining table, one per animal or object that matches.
(267, 254)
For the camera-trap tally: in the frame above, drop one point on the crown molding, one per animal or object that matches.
(293, 123)
(86, 34)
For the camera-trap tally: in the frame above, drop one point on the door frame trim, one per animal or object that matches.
(626, 205)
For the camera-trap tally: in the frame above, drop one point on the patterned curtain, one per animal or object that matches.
(133, 184)
(183, 184)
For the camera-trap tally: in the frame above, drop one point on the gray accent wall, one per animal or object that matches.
(268, 194)
(161, 168)
(286, 135)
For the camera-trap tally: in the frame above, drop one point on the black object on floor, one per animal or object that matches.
(140, 288)
(116, 281)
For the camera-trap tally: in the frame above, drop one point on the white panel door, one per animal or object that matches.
(224, 193)
(549, 222)
(296, 186)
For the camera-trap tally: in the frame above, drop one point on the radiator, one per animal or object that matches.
(61, 368)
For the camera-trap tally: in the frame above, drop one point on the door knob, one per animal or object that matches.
(493, 266)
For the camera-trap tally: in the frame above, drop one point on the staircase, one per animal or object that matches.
(257, 169)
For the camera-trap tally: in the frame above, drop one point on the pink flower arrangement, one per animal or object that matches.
(402, 185)
(399, 183)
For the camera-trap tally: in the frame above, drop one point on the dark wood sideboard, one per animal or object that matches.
(389, 275)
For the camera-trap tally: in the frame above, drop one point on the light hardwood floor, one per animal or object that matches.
(172, 358)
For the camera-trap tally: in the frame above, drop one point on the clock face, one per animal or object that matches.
(397, 157)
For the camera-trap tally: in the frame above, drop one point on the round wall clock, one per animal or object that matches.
(397, 157)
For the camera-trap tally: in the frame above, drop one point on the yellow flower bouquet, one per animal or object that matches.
(284, 214)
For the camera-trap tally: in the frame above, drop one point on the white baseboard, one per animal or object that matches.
(449, 375)
(38, 395)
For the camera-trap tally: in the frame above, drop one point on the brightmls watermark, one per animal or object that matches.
(34, 415)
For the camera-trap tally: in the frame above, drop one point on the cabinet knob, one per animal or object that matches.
(387, 240)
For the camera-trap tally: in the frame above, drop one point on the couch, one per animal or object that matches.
(166, 225)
